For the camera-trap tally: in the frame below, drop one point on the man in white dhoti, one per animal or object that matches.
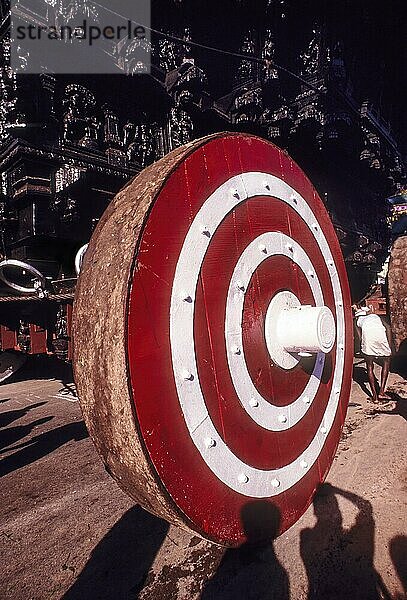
(376, 344)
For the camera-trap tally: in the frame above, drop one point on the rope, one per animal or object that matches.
(33, 298)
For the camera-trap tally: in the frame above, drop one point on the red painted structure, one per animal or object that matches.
(8, 338)
(39, 337)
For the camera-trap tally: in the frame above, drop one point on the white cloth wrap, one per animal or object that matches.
(374, 337)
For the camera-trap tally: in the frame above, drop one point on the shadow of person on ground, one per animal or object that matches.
(12, 435)
(338, 561)
(8, 417)
(119, 564)
(360, 377)
(68, 390)
(41, 445)
(253, 571)
(43, 366)
(398, 554)
(400, 407)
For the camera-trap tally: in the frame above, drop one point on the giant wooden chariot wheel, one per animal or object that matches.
(213, 337)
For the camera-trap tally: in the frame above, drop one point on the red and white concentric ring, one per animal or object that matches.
(261, 411)
(226, 466)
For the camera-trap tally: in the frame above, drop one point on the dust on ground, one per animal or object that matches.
(67, 531)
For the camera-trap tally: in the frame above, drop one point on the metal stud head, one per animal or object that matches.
(275, 483)
(323, 429)
(306, 400)
(304, 464)
(209, 442)
(187, 375)
(234, 193)
(242, 478)
(282, 418)
(205, 231)
(236, 350)
(263, 248)
(253, 402)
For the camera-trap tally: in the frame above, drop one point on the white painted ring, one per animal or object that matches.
(265, 414)
(218, 457)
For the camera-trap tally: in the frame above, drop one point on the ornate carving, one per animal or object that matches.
(298, 117)
(371, 152)
(267, 54)
(112, 137)
(172, 53)
(248, 104)
(80, 124)
(8, 90)
(129, 133)
(69, 10)
(181, 126)
(66, 176)
(63, 203)
(277, 122)
(137, 57)
(90, 139)
(188, 77)
(61, 326)
(311, 58)
(167, 54)
(142, 149)
(247, 70)
(3, 214)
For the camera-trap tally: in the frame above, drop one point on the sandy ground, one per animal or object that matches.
(67, 531)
